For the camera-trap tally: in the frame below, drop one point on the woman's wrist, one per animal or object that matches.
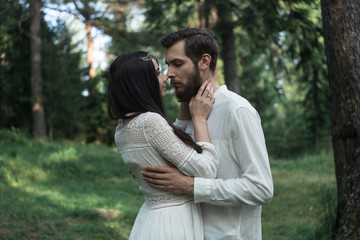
(201, 130)
(199, 121)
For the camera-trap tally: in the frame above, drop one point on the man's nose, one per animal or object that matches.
(170, 73)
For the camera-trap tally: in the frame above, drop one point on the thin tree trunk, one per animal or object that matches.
(90, 58)
(342, 40)
(203, 14)
(38, 114)
(226, 29)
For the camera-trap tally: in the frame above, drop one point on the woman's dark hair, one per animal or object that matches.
(133, 88)
(197, 42)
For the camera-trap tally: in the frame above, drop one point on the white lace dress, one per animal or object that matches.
(147, 140)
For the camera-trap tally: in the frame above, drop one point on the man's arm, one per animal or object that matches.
(168, 179)
(254, 186)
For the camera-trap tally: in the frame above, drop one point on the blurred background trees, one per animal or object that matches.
(272, 54)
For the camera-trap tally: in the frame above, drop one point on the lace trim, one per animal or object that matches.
(167, 200)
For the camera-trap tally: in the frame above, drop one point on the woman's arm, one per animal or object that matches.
(200, 108)
(161, 137)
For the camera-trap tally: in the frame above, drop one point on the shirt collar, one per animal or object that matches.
(220, 90)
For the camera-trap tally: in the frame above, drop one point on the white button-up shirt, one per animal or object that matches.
(231, 203)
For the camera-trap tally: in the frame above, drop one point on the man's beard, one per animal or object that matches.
(192, 88)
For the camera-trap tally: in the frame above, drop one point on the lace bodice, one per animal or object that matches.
(147, 140)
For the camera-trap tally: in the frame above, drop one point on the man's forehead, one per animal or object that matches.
(176, 52)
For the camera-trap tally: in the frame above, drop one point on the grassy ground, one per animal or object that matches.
(304, 200)
(73, 191)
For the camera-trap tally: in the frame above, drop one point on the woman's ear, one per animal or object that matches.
(204, 61)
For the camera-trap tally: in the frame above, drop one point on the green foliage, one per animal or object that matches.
(62, 85)
(280, 59)
(279, 48)
(288, 135)
(171, 106)
(283, 72)
(165, 16)
(15, 107)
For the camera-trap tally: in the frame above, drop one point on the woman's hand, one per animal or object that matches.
(200, 105)
(200, 108)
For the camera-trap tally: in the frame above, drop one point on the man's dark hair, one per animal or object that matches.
(197, 42)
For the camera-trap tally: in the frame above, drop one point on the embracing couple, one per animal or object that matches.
(205, 176)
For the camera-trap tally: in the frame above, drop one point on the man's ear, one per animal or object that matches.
(204, 61)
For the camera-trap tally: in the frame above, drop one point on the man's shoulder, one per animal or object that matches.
(230, 101)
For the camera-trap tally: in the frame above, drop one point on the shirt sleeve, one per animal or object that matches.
(161, 137)
(182, 124)
(255, 185)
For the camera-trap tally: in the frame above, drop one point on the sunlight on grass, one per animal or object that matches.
(66, 154)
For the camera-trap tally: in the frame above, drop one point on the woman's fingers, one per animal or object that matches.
(206, 92)
(202, 89)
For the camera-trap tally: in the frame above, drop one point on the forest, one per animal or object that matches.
(280, 55)
(273, 53)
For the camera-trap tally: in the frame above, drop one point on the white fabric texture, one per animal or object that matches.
(148, 139)
(231, 203)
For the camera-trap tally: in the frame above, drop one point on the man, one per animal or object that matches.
(231, 203)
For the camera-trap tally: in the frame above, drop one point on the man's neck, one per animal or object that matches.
(212, 78)
(216, 85)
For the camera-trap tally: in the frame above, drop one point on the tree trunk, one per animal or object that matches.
(342, 40)
(38, 114)
(203, 14)
(90, 58)
(226, 30)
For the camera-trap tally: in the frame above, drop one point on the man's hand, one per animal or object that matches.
(168, 179)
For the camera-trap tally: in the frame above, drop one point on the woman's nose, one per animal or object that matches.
(164, 77)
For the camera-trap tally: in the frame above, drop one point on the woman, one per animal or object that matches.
(144, 137)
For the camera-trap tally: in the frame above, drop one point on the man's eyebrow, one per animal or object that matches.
(175, 59)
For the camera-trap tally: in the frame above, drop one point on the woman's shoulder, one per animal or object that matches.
(153, 124)
(136, 122)
(147, 119)
(153, 119)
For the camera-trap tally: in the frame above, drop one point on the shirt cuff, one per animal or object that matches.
(206, 145)
(181, 123)
(202, 189)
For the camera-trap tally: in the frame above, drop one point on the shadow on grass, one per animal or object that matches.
(64, 191)
(28, 216)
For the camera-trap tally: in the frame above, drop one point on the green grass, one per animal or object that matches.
(304, 199)
(65, 190)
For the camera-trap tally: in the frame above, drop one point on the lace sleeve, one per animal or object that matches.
(160, 135)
